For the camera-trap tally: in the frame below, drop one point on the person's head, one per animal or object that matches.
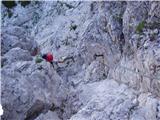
(44, 56)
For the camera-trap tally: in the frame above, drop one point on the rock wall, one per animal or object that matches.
(111, 54)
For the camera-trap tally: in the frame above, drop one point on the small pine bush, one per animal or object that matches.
(9, 4)
(140, 26)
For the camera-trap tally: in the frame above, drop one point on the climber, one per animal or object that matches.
(48, 57)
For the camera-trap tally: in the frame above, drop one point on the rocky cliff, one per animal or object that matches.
(111, 54)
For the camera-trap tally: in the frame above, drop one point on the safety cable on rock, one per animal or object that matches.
(126, 68)
(139, 72)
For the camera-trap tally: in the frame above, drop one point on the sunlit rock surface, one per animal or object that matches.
(111, 54)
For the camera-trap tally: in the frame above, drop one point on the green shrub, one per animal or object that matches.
(140, 26)
(9, 4)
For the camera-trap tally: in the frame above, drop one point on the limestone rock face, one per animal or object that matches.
(16, 54)
(28, 88)
(48, 116)
(109, 53)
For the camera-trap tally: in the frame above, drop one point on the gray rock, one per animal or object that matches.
(96, 71)
(135, 13)
(110, 53)
(107, 107)
(48, 116)
(16, 54)
(34, 88)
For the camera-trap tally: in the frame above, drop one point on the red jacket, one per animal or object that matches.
(48, 57)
